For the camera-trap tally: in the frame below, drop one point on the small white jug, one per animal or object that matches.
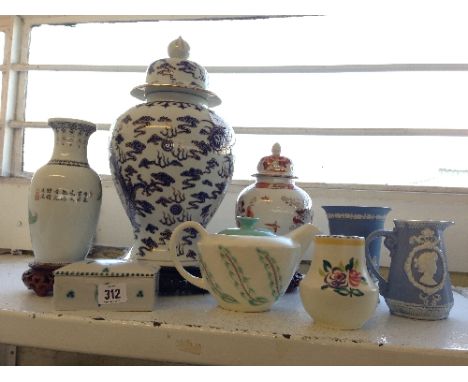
(338, 291)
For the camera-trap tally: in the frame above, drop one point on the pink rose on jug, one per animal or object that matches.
(336, 278)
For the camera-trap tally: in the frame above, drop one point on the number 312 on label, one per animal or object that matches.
(112, 293)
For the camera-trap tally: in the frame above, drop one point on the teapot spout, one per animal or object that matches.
(304, 235)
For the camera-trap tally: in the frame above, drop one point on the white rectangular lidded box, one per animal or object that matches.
(105, 284)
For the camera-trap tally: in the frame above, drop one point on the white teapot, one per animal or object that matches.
(244, 269)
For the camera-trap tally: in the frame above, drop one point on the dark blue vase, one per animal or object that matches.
(358, 221)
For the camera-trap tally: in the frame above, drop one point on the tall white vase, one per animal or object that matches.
(64, 201)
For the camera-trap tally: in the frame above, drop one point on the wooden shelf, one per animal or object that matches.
(193, 330)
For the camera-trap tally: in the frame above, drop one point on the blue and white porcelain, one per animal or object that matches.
(418, 283)
(171, 157)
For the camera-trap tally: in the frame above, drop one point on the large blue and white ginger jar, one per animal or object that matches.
(171, 157)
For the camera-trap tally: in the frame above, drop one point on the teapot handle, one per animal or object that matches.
(175, 239)
(383, 284)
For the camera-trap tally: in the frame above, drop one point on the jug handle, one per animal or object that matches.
(383, 284)
(175, 239)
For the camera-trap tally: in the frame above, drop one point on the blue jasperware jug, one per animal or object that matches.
(418, 283)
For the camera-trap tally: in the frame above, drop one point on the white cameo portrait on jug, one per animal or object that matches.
(426, 265)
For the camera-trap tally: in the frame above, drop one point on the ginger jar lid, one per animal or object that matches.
(247, 228)
(177, 74)
(275, 164)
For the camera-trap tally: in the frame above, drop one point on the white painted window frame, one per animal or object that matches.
(407, 201)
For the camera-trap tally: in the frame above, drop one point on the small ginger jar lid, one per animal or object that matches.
(275, 165)
(177, 74)
(246, 228)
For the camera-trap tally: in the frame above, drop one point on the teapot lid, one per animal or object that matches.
(275, 164)
(247, 228)
(176, 74)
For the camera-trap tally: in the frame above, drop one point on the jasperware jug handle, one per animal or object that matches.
(383, 285)
(175, 239)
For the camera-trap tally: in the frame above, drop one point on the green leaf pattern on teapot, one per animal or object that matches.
(215, 286)
(273, 272)
(241, 281)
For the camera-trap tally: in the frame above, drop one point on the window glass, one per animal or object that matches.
(306, 40)
(418, 161)
(97, 97)
(405, 100)
(331, 100)
(345, 100)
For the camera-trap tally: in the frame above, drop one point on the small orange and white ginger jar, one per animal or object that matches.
(274, 198)
(338, 291)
